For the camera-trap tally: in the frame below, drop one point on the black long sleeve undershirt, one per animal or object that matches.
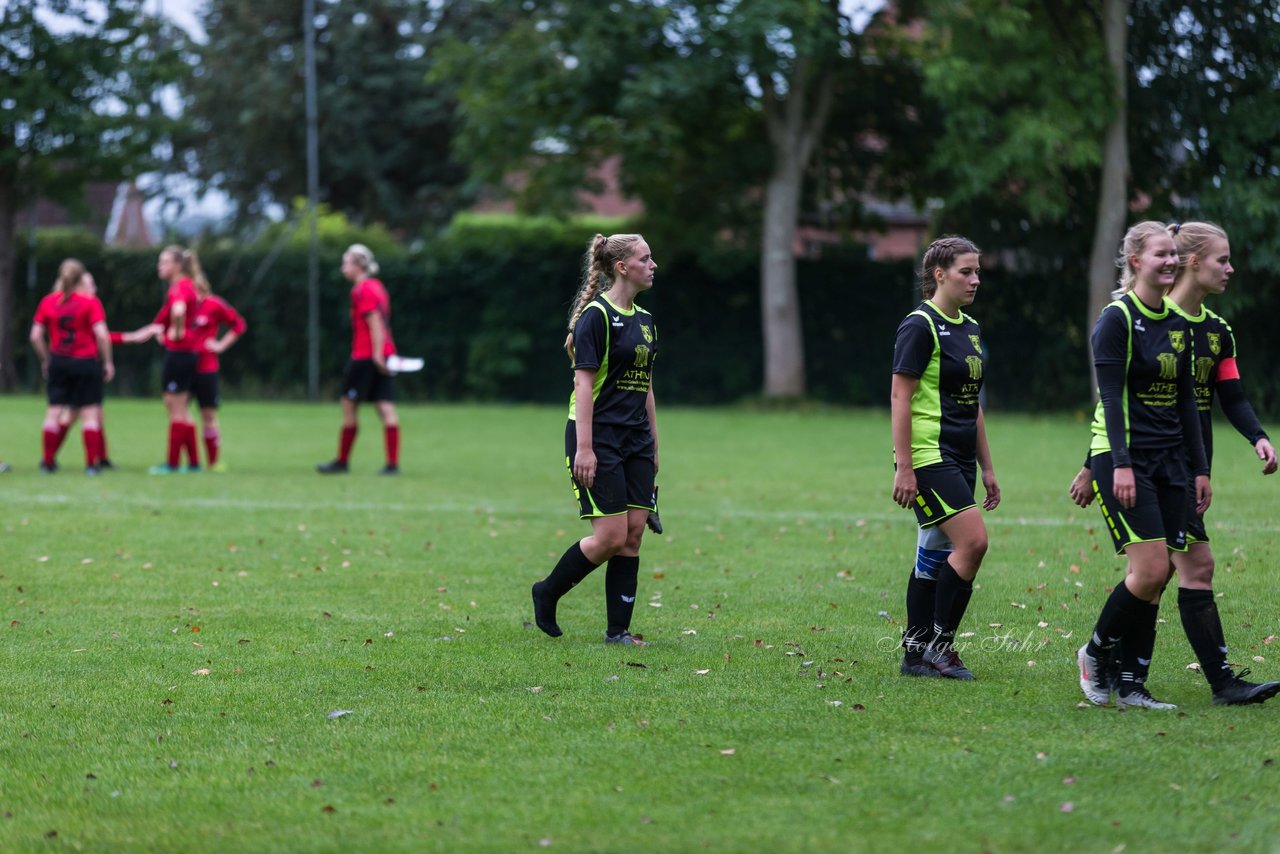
(1236, 406)
(1189, 415)
(1111, 383)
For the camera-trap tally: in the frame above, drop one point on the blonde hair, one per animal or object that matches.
(1135, 240)
(597, 274)
(365, 256)
(940, 255)
(70, 272)
(189, 265)
(1193, 239)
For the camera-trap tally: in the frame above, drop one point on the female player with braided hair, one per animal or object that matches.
(1204, 269)
(939, 441)
(611, 441)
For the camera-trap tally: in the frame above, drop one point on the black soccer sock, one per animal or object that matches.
(1139, 645)
(1113, 623)
(620, 592)
(920, 598)
(572, 567)
(1203, 626)
(951, 598)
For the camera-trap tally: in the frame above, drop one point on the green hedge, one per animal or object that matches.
(486, 305)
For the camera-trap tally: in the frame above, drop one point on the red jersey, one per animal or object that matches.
(209, 315)
(368, 296)
(183, 290)
(70, 323)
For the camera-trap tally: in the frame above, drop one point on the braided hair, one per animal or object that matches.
(940, 255)
(598, 274)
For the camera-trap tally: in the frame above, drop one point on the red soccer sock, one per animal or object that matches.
(392, 438)
(190, 444)
(63, 430)
(92, 446)
(51, 439)
(347, 442)
(176, 434)
(212, 443)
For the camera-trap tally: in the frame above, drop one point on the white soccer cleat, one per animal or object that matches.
(1092, 680)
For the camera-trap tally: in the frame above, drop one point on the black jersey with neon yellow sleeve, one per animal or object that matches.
(1146, 385)
(620, 345)
(945, 354)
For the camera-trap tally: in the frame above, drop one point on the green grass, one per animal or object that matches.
(767, 715)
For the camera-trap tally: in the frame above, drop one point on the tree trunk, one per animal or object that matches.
(1113, 193)
(794, 124)
(8, 226)
(779, 298)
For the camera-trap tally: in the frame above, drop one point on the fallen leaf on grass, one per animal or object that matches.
(728, 751)
(536, 689)
(701, 672)
(636, 664)
(1195, 665)
(1067, 807)
(328, 808)
(203, 671)
(338, 713)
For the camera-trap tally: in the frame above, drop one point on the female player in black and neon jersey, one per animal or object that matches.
(611, 441)
(1147, 451)
(939, 441)
(1204, 269)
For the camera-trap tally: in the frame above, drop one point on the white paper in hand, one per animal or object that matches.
(404, 364)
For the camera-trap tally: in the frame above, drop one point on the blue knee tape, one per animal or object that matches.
(929, 561)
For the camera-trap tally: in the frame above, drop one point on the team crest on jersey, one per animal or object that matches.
(1204, 369)
(1168, 365)
(1215, 343)
(642, 355)
(975, 367)
(977, 344)
(647, 332)
(1178, 339)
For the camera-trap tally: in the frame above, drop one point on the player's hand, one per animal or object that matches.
(1081, 489)
(44, 370)
(584, 467)
(904, 487)
(1204, 495)
(1123, 487)
(213, 345)
(108, 371)
(992, 501)
(1267, 454)
(380, 362)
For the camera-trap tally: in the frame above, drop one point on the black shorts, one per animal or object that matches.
(179, 371)
(364, 382)
(943, 490)
(624, 470)
(74, 382)
(1160, 507)
(1196, 532)
(205, 389)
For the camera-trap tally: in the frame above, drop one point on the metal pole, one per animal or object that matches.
(313, 190)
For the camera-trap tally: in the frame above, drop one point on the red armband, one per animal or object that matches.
(116, 337)
(1227, 370)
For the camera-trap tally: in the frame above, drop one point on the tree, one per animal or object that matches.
(384, 131)
(81, 83)
(721, 111)
(1065, 120)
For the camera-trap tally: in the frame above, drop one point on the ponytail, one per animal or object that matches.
(70, 272)
(597, 274)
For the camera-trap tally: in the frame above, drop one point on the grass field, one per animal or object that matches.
(172, 649)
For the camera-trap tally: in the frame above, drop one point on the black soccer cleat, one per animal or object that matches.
(654, 523)
(913, 664)
(389, 469)
(332, 467)
(544, 611)
(626, 639)
(106, 465)
(48, 468)
(946, 661)
(1238, 692)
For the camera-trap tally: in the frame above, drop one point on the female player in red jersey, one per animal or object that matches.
(181, 268)
(212, 314)
(367, 377)
(76, 362)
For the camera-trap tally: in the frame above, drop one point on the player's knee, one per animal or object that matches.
(928, 561)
